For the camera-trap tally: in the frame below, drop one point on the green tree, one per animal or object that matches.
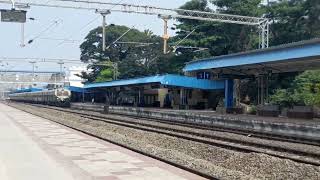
(305, 90)
(132, 59)
(293, 20)
(221, 38)
(104, 75)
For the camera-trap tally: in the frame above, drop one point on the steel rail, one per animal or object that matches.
(239, 131)
(204, 138)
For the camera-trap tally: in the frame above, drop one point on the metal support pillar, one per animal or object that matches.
(237, 91)
(103, 32)
(258, 89)
(141, 98)
(267, 88)
(60, 64)
(104, 29)
(13, 4)
(263, 89)
(33, 66)
(181, 98)
(115, 71)
(228, 93)
(107, 103)
(82, 95)
(22, 35)
(264, 34)
(165, 36)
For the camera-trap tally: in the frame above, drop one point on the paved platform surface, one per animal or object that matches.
(33, 148)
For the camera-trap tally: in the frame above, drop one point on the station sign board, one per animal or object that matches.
(203, 75)
(18, 16)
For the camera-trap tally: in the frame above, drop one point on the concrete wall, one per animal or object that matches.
(287, 129)
(290, 129)
(197, 96)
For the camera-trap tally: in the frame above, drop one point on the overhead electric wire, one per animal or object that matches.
(55, 23)
(120, 37)
(90, 22)
(41, 60)
(184, 38)
(82, 28)
(60, 39)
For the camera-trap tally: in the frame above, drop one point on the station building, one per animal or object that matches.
(168, 91)
(210, 82)
(257, 64)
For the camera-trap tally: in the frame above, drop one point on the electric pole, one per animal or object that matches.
(165, 36)
(33, 66)
(103, 13)
(60, 64)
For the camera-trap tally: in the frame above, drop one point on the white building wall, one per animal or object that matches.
(71, 75)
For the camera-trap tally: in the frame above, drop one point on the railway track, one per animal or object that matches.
(243, 132)
(263, 135)
(306, 157)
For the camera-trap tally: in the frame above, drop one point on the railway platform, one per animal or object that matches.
(302, 128)
(35, 148)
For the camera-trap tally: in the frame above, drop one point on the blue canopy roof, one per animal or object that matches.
(292, 57)
(169, 80)
(27, 90)
(76, 89)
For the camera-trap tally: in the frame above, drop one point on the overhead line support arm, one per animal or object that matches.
(261, 23)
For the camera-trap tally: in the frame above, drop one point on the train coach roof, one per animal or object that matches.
(168, 80)
(27, 90)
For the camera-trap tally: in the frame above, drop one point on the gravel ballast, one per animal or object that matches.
(219, 162)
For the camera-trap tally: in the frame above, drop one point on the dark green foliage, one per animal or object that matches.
(305, 90)
(291, 21)
(294, 20)
(132, 59)
(221, 38)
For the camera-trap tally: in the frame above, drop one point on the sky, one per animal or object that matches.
(52, 24)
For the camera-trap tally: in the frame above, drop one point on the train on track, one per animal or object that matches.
(57, 97)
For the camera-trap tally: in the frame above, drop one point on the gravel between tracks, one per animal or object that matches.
(252, 139)
(221, 163)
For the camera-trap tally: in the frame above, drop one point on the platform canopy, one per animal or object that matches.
(294, 57)
(166, 80)
(76, 89)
